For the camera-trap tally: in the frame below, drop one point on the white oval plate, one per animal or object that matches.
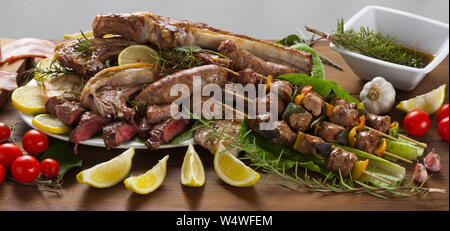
(98, 142)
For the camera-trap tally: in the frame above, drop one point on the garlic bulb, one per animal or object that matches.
(378, 96)
(432, 162)
(420, 173)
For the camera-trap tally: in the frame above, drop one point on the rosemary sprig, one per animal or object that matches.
(85, 46)
(42, 72)
(329, 183)
(372, 44)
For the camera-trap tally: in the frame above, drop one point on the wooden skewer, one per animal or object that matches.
(398, 157)
(381, 133)
(237, 74)
(414, 141)
(240, 96)
(377, 177)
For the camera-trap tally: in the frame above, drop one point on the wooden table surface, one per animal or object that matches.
(216, 195)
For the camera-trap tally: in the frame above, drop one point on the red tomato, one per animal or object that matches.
(25, 169)
(2, 173)
(443, 128)
(416, 123)
(8, 153)
(5, 132)
(49, 168)
(442, 113)
(35, 141)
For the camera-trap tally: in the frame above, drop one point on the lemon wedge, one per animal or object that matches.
(429, 102)
(231, 170)
(137, 54)
(50, 123)
(108, 173)
(192, 171)
(78, 35)
(149, 181)
(27, 99)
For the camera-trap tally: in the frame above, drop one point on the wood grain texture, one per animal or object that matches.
(216, 195)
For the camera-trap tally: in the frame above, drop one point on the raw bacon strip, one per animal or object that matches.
(8, 81)
(25, 48)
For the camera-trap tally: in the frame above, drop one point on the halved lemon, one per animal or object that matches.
(27, 99)
(46, 65)
(429, 102)
(108, 173)
(192, 171)
(137, 54)
(231, 170)
(50, 123)
(78, 35)
(149, 181)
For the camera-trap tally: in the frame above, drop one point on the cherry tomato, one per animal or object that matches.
(8, 153)
(2, 173)
(5, 132)
(49, 168)
(25, 169)
(443, 128)
(416, 123)
(35, 141)
(442, 113)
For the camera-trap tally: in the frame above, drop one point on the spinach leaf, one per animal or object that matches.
(290, 40)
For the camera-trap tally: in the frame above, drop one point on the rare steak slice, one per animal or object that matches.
(118, 132)
(69, 112)
(144, 128)
(165, 132)
(90, 123)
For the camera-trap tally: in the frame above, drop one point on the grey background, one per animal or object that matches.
(269, 19)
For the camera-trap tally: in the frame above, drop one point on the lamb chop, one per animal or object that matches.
(108, 91)
(89, 63)
(145, 27)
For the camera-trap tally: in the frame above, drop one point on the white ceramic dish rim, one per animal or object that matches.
(436, 61)
(97, 141)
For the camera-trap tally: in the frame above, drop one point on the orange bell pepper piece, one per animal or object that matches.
(379, 151)
(359, 168)
(269, 80)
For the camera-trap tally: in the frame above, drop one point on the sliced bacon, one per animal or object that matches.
(8, 81)
(25, 48)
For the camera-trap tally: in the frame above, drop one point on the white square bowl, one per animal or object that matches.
(413, 31)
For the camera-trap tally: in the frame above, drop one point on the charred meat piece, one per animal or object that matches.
(210, 58)
(108, 91)
(367, 141)
(52, 102)
(270, 103)
(243, 59)
(329, 131)
(380, 123)
(279, 132)
(342, 161)
(283, 88)
(313, 102)
(307, 145)
(118, 132)
(90, 63)
(165, 132)
(166, 32)
(248, 76)
(69, 112)
(159, 91)
(158, 113)
(344, 116)
(90, 123)
(344, 103)
(205, 138)
(144, 128)
(299, 121)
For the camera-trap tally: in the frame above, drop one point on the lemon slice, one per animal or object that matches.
(78, 35)
(149, 181)
(27, 99)
(429, 102)
(108, 173)
(137, 54)
(46, 65)
(231, 170)
(50, 123)
(192, 171)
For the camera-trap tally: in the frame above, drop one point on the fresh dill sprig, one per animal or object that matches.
(372, 44)
(85, 45)
(331, 182)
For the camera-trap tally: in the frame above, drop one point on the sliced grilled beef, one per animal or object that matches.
(380, 123)
(144, 128)
(118, 132)
(329, 131)
(344, 116)
(69, 112)
(158, 113)
(340, 160)
(307, 145)
(299, 121)
(165, 132)
(90, 123)
(367, 141)
(52, 102)
(313, 102)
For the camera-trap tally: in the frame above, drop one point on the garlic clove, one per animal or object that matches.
(420, 173)
(432, 162)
